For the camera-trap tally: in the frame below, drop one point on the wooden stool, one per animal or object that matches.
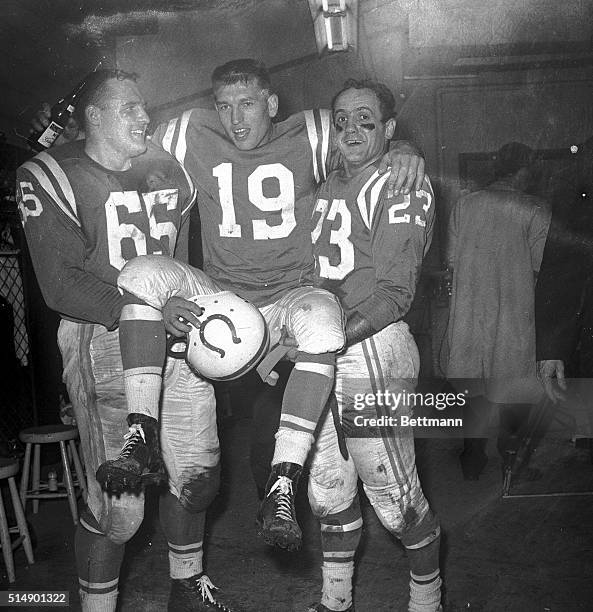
(8, 470)
(47, 434)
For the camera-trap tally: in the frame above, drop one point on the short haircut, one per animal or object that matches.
(511, 157)
(242, 71)
(383, 93)
(96, 90)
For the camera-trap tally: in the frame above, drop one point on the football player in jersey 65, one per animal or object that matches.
(369, 249)
(87, 208)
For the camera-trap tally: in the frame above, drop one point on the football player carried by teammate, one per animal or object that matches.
(255, 213)
(374, 268)
(257, 181)
(87, 208)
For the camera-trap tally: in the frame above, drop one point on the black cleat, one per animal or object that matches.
(139, 462)
(194, 595)
(276, 518)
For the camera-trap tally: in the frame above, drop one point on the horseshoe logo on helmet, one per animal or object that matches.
(230, 325)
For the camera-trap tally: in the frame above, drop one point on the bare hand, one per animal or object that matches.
(178, 313)
(407, 168)
(547, 370)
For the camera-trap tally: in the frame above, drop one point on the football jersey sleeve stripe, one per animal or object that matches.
(194, 194)
(62, 180)
(167, 142)
(325, 117)
(175, 143)
(313, 141)
(375, 195)
(181, 150)
(181, 146)
(430, 214)
(41, 175)
(361, 200)
(320, 160)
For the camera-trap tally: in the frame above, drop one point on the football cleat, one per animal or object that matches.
(194, 594)
(276, 519)
(321, 608)
(139, 462)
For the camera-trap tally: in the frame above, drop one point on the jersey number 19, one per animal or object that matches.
(283, 202)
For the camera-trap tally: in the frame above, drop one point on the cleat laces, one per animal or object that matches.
(283, 486)
(134, 436)
(206, 587)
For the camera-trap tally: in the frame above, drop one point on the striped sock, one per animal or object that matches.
(425, 592)
(142, 344)
(305, 397)
(184, 531)
(143, 391)
(98, 602)
(98, 561)
(340, 536)
(185, 560)
(425, 583)
(292, 446)
(337, 585)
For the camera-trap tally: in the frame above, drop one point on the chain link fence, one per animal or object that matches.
(17, 397)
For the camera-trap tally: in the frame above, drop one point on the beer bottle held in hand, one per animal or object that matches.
(61, 112)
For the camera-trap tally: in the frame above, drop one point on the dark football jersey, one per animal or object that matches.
(255, 206)
(83, 222)
(369, 247)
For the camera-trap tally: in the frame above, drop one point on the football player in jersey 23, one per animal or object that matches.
(369, 247)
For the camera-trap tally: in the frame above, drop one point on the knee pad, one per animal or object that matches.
(122, 520)
(126, 516)
(386, 502)
(199, 490)
(330, 497)
(418, 534)
(341, 531)
(317, 322)
(156, 278)
(348, 519)
(398, 516)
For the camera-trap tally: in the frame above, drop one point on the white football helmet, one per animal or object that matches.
(231, 339)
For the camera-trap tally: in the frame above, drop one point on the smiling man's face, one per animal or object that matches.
(123, 118)
(246, 111)
(362, 135)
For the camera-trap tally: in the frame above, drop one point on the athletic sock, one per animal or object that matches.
(340, 536)
(305, 397)
(98, 562)
(425, 583)
(142, 342)
(184, 531)
(425, 593)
